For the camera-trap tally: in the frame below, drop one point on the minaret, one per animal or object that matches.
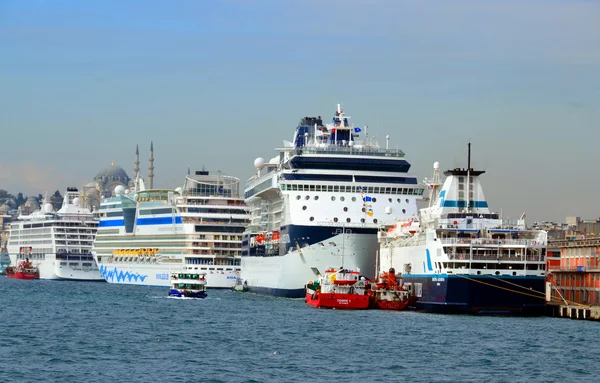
(136, 164)
(151, 167)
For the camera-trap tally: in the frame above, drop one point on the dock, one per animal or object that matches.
(557, 310)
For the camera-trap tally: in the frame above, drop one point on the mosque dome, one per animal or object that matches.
(113, 173)
(4, 209)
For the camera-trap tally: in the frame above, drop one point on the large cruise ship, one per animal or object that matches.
(319, 203)
(462, 258)
(145, 235)
(58, 243)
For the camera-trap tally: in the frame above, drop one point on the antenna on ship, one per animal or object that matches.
(469, 178)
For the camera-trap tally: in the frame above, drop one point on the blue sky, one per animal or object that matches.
(219, 83)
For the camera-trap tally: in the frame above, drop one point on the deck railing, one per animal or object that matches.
(492, 242)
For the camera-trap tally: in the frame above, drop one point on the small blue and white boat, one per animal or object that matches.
(188, 285)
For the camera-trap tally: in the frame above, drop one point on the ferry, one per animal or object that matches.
(144, 236)
(321, 199)
(58, 243)
(459, 257)
(188, 285)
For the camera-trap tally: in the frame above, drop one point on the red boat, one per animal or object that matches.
(390, 292)
(24, 270)
(339, 289)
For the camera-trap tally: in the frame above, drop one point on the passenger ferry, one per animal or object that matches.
(188, 285)
(58, 243)
(319, 203)
(461, 258)
(146, 235)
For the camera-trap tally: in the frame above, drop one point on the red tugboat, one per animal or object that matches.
(339, 289)
(24, 270)
(390, 292)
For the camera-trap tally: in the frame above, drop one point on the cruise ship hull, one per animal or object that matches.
(158, 275)
(287, 275)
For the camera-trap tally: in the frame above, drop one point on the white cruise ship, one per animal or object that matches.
(58, 243)
(319, 203)
(463, 258)
(145, 235)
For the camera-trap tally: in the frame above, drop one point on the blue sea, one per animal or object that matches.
(96, 332)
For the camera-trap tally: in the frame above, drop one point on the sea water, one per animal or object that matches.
(97, 332)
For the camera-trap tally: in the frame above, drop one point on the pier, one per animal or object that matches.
(573, 311)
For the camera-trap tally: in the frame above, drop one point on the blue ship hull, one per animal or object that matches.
(481, 295)
(181, 294)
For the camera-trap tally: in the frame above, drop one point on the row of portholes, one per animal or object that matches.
(374, 199)
(362, 220)
(346, 209)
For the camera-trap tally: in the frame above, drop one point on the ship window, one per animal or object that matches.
(347, 219)
(374, 199)
(330, 188)
(335, 219)
(399, 200)
(407, 200)
(345, 208)
(353, 199)
(403, 211)
(375, 220)
(303, 207)
(312, 187)
(342, 199)
(312, 219)
(389, 200)
(307, 197)
(336, 188)
(362, 220)
(316, 197)
(298, 197)
(333, 198)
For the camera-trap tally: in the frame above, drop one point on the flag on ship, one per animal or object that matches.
(367, 207)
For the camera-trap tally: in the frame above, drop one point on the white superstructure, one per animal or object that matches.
(58, 243)
(146, 235)
(318, 204)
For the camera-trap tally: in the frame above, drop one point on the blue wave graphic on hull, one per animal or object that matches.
(120, 275)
